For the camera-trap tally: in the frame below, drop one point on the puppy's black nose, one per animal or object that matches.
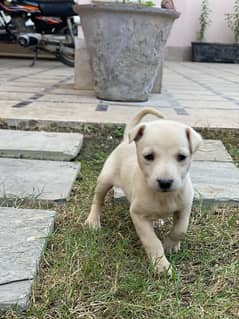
(165, 184)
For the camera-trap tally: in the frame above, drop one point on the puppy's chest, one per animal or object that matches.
(160, 207)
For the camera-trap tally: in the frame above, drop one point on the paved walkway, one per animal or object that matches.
(201, 95)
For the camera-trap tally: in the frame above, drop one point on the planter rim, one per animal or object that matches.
(123, 7)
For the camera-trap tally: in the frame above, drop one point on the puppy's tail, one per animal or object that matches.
(138, 117)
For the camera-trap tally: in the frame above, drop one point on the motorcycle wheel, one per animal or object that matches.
(66, 52)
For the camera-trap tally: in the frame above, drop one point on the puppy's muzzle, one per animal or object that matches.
(165, 184)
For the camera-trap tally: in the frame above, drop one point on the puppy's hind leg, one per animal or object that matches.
(102, 187)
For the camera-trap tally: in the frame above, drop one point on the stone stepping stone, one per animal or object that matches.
(212, 150)
(40, 145)
(41, 180)
(215, 178)
(215, 181)
(23, 238)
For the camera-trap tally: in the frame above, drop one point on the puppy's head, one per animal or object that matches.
(164, 151)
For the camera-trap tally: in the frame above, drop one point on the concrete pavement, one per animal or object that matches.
(198, 94)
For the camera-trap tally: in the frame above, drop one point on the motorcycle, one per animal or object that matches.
(47, 25)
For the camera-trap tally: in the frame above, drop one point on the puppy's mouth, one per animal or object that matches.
(166, 191)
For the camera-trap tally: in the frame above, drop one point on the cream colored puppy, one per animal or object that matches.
(151, 165)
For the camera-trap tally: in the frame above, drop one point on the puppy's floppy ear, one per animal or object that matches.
(136, 133)
(194, 139)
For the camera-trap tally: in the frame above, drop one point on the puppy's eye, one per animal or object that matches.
(149, 157)
(181, 157)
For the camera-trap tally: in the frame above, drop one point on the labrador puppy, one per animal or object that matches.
(152, 165)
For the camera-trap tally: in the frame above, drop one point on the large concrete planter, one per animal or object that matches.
(125, 44)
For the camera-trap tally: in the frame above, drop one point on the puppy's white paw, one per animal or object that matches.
(163, 265)
(171, 246)
(93, 222)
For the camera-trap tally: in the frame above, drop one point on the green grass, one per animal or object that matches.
(105, 274)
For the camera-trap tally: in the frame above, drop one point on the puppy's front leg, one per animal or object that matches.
(150, 241)
(180, 226)
(102, 187)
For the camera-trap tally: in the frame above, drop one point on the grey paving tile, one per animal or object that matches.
(23, 238)
(69, 98)
(20, 89)
(7, 103)
(40, 145)
(32, 81)
(212, 150)
(6, 96)
(15, 294)
(35, 86)
(213, 118)
(66, 91)
(187, 90)
(201, 104)
(197, 97)
(34, 179)
(217, 182)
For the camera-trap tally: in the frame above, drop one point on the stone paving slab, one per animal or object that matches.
(217, 182)
(41, 180)
(15, 294)
(202, 104)
(64, 98)
(212, 150)
(12, 88)
(23, 237)
(14, 96)
(40, 145)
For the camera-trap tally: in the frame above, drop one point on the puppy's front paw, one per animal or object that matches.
(162, 265)
(171, 245)
(93, 222)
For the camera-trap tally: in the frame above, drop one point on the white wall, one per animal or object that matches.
(186, 27)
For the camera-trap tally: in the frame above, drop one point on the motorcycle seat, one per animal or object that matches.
(53, 8)
(57, 8)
